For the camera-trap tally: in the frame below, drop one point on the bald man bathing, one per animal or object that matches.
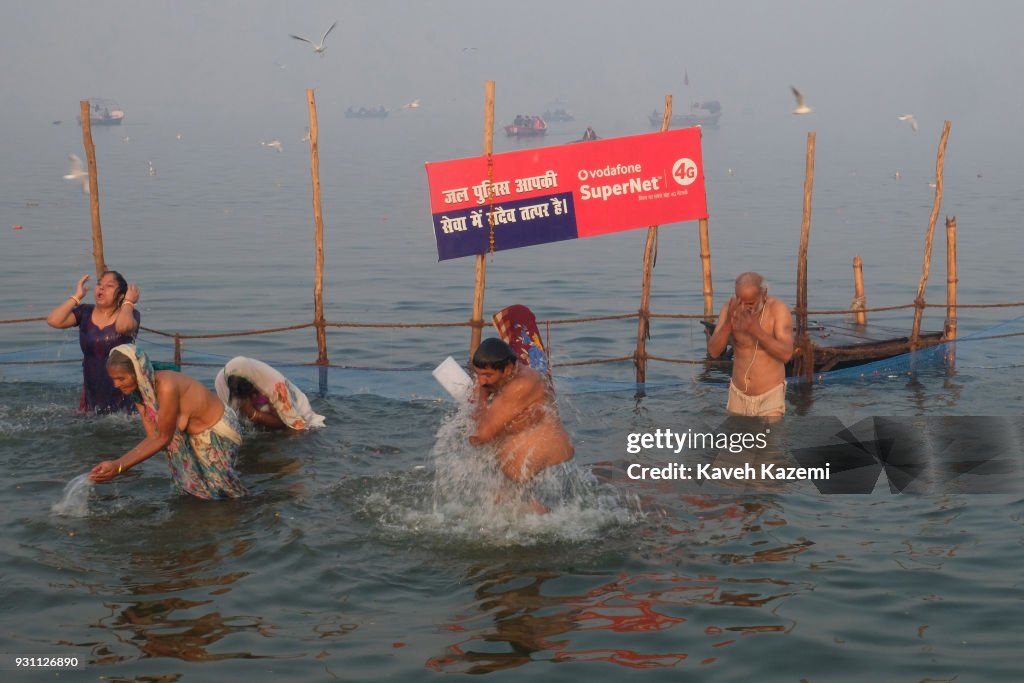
(761, 329)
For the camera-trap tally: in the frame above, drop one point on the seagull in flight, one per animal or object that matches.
(317, 47)
(909, 118)
(801, 104)
(276, 144)
(77, 172)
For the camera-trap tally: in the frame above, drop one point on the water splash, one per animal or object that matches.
(469, 501)
(75, 502)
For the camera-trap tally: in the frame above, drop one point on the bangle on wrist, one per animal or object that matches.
(119, 467)
(126, 301)
(78, 302)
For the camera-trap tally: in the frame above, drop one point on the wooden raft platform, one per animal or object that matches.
(845, 345)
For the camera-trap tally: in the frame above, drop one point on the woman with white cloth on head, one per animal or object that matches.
(265, 396)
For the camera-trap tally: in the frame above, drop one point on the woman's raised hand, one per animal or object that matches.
(81, 289)
(132, 295)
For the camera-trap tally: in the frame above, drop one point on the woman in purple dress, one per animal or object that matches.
(112, 321)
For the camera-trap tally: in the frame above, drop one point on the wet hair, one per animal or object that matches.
(239, 387)
(122, 285)
(118, 361)
(493, 354)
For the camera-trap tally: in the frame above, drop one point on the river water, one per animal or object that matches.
(373, 548)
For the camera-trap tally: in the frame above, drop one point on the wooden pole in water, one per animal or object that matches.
(318, 220)
(804, 363)
(705, 269)
(94, 190)
(650, 256)
(859, 302)
(949, 331)
(480, 280)
(929, 238)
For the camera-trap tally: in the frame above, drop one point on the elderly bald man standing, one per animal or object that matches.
(761, 329)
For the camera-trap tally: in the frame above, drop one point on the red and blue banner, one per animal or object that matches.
(548, 194)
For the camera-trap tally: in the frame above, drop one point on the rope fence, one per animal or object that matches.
(552, 321)
(837, 351)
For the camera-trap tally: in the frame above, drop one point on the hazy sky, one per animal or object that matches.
(234, 58)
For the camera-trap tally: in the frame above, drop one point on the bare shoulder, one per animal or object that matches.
(170, 378)
(526, 379)
(177, 382)
(778, 307)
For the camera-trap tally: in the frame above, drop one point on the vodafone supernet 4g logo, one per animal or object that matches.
(684, 171)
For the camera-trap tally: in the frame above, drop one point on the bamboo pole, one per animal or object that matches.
(94, 190)
(804, 364)
(949, 331)
(705, 269)
(318, 220)
(643, 330)
(929, 237)
(859, 301)
(480, 279)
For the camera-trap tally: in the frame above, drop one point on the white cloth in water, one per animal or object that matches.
(287, 400)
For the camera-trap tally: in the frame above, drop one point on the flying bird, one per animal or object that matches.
(317, 47)
(801, 104)
(276, 144)
(77, 172)
(415, 104)
(305, 138)
(909, 118)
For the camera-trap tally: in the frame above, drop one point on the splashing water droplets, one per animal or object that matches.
(470, 501)
(75, 502)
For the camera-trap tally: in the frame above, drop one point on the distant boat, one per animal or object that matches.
(366, 113)
(701, 114)
(526, 127)
(560, 115)
(103, 112)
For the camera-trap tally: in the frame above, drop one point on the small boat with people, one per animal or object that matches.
(103, 112)
(700, 114)
(378, 112)
(526, 127)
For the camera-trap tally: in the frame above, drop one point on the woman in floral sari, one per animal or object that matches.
(181, 416)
